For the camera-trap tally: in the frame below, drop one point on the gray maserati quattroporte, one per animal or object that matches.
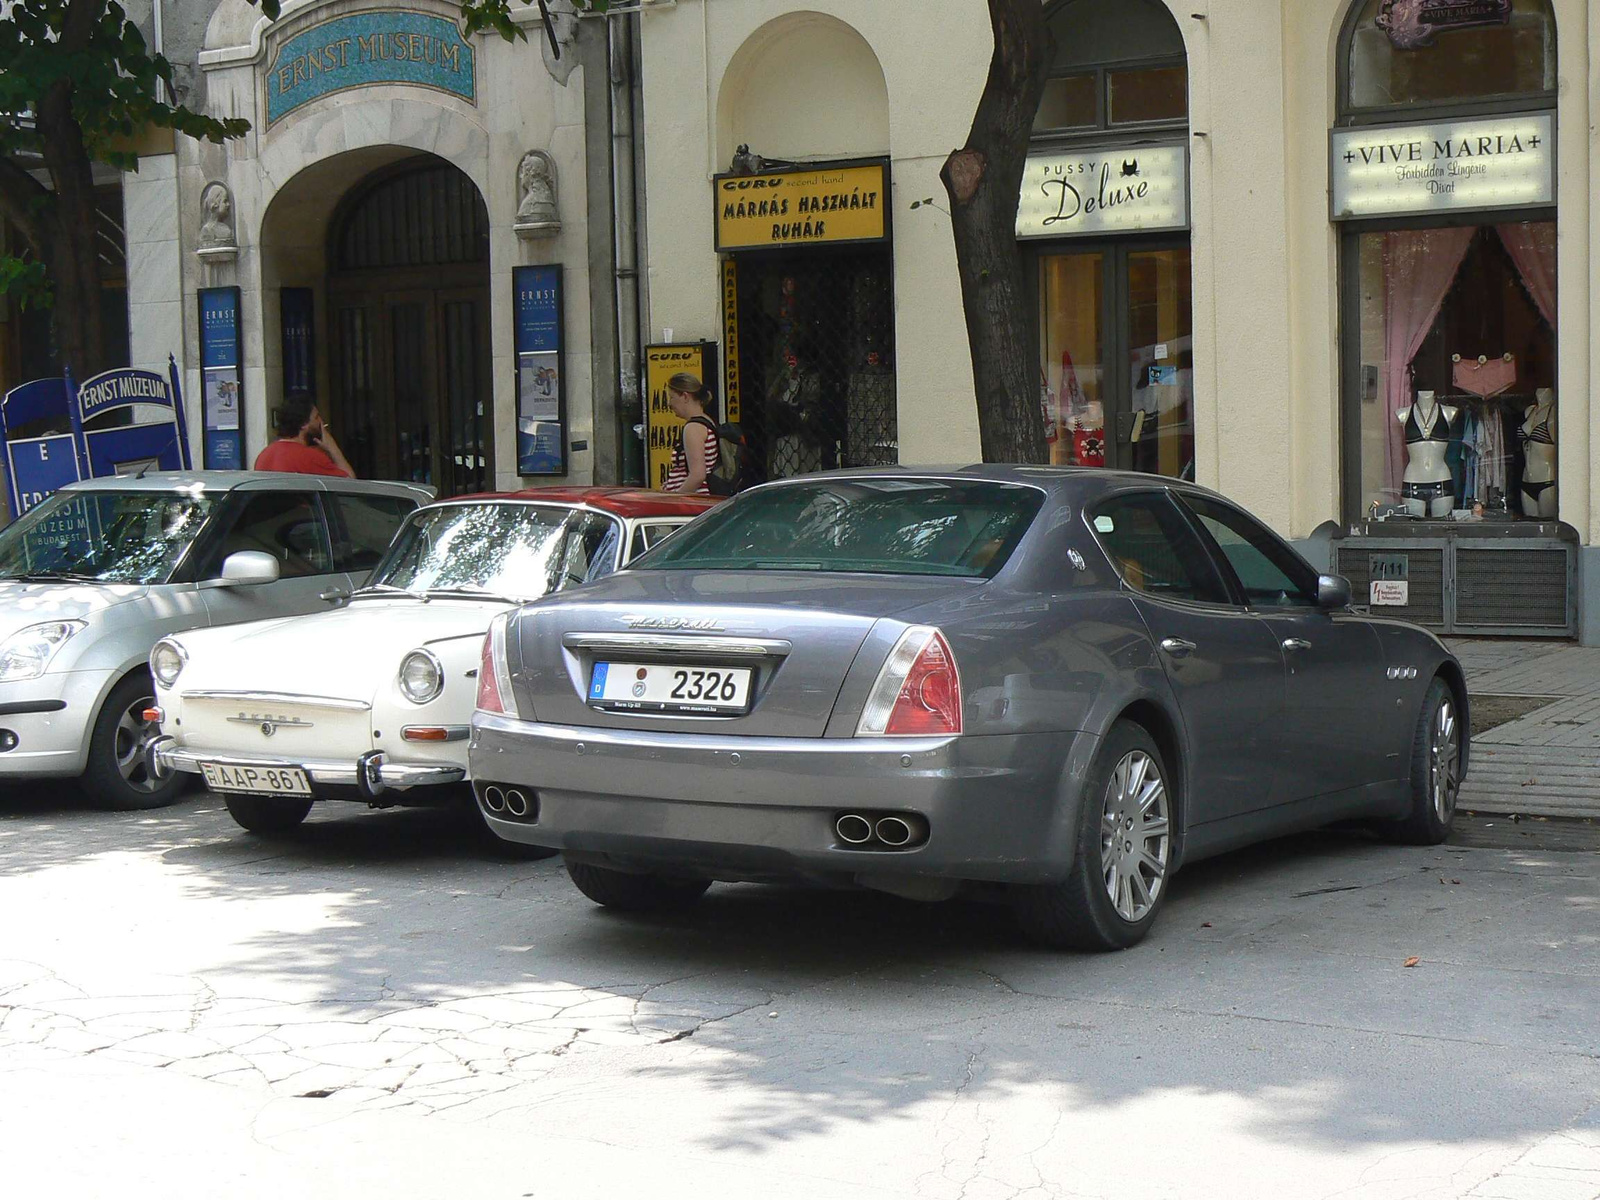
(1066, 683)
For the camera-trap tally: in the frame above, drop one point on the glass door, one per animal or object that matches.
(1108, 305)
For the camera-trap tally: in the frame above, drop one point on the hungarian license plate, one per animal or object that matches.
(655, 687)
(260, 781)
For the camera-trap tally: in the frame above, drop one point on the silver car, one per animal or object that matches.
(1056, 684)
(94, 576)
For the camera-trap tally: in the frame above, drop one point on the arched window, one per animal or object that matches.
(1118, 63)
(1400, 54)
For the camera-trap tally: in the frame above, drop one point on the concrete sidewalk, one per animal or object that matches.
(1547, 762)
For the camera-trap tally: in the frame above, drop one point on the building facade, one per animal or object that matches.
(1332, 259)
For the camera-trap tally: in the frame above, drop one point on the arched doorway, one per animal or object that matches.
(408, 319)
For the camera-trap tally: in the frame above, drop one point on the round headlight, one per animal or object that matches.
(421, 677)
(166, 662)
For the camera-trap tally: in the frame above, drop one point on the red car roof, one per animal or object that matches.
(628, 503)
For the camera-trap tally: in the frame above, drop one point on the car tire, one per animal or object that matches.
(268, 814)
(117, 775)
(1101, 905)
(1435, 776)
(635, 893)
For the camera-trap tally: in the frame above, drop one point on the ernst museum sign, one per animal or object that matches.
(392, 46)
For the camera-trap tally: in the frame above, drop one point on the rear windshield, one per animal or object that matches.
(876, 526)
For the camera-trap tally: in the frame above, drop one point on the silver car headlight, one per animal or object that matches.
(27, 653)
(421, 677)
(167, 661)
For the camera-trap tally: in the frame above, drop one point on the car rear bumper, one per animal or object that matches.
(372, 774)
(1000, 809)
(50, 719)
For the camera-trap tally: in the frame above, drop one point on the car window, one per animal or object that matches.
(653, 534)
(365, 527)
(509, 549)
(900, 526)
(1155, 551)
(287, 525)
(594, 544)
(115, 537)
(1270, 574)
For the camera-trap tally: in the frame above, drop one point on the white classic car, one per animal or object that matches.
(373, 702)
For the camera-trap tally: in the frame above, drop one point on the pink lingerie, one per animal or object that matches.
(1488, 377)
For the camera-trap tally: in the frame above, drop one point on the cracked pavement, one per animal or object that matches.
(378, 1002)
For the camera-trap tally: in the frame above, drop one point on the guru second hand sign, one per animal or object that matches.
(803, 207)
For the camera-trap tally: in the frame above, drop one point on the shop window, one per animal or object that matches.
(1117, 62)
(1457, 400)
(1423, 52)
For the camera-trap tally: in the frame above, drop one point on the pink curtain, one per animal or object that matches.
(1419, 267)
(1532, 247)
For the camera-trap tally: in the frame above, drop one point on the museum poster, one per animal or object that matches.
(221, 384)
(541, 383)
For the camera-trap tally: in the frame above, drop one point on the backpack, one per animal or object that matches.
(735, 469)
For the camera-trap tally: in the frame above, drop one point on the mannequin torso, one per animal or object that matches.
(1538, 434)
(1428, 427)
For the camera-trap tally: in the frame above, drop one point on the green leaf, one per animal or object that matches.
(25, 282)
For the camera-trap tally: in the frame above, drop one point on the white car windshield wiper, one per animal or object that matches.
(54, 577)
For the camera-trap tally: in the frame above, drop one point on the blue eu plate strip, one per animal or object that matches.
(597, 682)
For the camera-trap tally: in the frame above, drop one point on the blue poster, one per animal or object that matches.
(221, 385)
(120, 449)
(541, 383)
(40, 451)
(299, 353)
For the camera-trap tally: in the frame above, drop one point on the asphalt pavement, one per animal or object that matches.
(377, 1007)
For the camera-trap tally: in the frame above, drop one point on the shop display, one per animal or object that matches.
(1538, 435)
(1428, 428)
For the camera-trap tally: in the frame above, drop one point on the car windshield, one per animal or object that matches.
(510, 550)
(104, 537)
(879, 526)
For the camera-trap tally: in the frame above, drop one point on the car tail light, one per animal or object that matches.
(918, 692)
(494, 677)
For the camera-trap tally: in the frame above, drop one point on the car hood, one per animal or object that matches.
(342, 653)
(23, 604)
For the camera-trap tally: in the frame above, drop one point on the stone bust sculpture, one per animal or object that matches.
(216, 227)
(536, 190)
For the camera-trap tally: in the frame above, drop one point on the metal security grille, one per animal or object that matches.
(816, 360)
(419, 217)
(1523, 588)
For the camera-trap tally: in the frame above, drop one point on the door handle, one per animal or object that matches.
(1292, 644)
(1178, 647)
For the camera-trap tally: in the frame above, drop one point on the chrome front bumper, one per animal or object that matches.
(372, 774)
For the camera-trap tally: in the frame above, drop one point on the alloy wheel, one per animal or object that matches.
(134, 735)
(1444, 761)
(1135, 840)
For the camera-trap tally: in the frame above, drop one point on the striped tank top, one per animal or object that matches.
(679, 471)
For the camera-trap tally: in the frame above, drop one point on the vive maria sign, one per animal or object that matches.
(1104, 191)
(1492, 162)
(393, 46)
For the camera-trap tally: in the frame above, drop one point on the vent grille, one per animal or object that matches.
(1512, 587)
(1425, 572)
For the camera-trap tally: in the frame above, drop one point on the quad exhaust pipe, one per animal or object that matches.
(893, 831)
(517, 804)
(494, 799)
(511, 802)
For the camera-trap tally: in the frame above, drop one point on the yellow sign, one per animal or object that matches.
(816, 206)
(661, 423)
(730, 339)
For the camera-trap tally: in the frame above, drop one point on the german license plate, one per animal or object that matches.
(654, 687)
(259, 781)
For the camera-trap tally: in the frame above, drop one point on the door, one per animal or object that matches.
(1223, 662)
(292, 527)
(1335, 664)
(1117, 358)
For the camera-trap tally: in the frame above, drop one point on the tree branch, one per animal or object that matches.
(20, 197)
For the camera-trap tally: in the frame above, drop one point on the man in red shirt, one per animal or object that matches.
(304, 445)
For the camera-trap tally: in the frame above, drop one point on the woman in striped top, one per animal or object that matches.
(698, 452)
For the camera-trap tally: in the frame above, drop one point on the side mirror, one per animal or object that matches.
(247, 568)
(1333, 591)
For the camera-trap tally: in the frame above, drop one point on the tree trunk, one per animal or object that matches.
(72, 251)
(983, 180)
